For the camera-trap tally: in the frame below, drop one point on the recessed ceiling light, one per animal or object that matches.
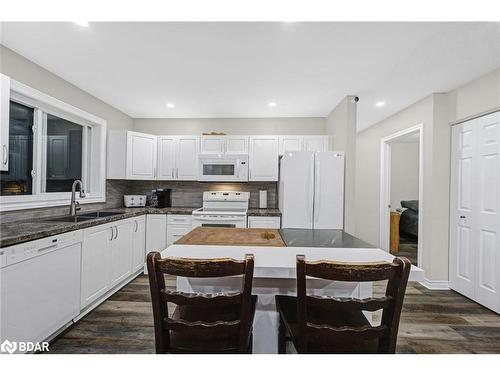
(170, 105)
(272, 104)
(380, 104)
(82, 23)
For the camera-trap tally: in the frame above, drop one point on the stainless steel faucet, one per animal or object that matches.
(74, 205)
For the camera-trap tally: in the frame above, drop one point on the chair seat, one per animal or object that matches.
(210, 342)
(324, 343)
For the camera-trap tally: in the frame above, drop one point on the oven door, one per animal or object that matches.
(223, 168)
(219, 221)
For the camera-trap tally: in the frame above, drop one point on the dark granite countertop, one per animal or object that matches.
(321, 238)
(15, 232)
(264, 212)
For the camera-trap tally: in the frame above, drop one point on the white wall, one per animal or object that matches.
(292, 125)
(23, 70)
(435, 112)
(404, 172)
(341, 125)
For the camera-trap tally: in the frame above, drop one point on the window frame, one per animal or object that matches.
(93, 154)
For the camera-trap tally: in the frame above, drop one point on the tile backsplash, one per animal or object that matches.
(184, 194)
(190, 193)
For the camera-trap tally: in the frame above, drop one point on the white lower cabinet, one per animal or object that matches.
(121, 252)
(138, 243)
(156, 232)
(271, 222)
(177, 226)
(109, 257)
(96, 259)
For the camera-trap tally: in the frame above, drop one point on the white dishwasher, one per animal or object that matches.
(39, 287)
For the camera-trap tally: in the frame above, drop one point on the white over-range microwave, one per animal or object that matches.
(223, 167)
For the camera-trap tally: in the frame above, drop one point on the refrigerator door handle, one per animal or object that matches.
(317, 188)
(310, 191)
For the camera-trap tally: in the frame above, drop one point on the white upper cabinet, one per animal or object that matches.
(290, 143)
(178, 157)
(131, 155)
(224, 144)
(212, 144)
(4, 121)
(263, 158)
(166, 157)
(141, 156)
(236, 144)
(316, 142)
(188, 148)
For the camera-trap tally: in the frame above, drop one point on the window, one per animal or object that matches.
(18, 179)
(64, 154)
(51, 144)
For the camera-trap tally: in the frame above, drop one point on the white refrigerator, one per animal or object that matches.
(311, 190)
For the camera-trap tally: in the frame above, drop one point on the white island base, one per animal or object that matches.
(275, 274)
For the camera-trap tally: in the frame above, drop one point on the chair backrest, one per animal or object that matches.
(384, 335)
(212, 324)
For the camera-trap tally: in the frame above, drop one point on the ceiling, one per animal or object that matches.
(236, 69)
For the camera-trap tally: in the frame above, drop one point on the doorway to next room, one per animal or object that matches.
(401, 185)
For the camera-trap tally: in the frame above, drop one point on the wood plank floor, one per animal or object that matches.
(431, 322)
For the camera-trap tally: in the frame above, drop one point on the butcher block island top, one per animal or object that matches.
(212, 236)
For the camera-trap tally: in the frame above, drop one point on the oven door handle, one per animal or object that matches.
(219, 218)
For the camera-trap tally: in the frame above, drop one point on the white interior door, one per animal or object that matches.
(462, 259)
(487, 217)
(475, 210)
(329, 190)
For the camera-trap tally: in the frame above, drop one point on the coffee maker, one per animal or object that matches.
(163, 197)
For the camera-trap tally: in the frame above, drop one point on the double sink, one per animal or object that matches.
(84, 216)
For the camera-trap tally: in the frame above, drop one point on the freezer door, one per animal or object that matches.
(296, 189)
(329, 190)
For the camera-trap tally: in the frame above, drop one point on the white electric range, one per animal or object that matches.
(222, 209)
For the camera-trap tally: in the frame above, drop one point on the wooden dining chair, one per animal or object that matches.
(325, 324)
(202, 323)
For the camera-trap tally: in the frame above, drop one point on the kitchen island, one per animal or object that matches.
(275, 273)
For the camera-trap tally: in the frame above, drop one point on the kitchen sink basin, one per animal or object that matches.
(84, 216)
(70, 219)
(100, 214)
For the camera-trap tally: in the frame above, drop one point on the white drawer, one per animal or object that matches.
(179, 219)
(178, 230)
(270, 222)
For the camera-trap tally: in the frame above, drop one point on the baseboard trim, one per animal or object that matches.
(435, 284)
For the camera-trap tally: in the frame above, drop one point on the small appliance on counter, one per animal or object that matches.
(134, 200)
(163, 197)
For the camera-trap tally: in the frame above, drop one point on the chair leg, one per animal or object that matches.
(281, 338)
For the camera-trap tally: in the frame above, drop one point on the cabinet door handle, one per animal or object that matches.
(136, 226)
(172, 172)
(112, 234)
(176, 172)
(116, 235)
(5, 155)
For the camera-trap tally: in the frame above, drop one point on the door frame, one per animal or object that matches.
(385, 186)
